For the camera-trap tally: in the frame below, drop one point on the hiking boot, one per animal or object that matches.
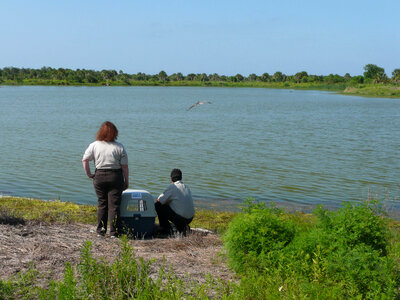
(101, 233)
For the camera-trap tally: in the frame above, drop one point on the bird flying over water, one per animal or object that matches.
(198, 103)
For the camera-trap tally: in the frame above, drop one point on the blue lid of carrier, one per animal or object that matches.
(137, 202)
(136, 195)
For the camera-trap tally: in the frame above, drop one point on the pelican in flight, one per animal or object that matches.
(198, 103)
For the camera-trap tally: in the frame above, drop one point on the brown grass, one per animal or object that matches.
(50, 246)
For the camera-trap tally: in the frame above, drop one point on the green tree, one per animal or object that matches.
(91, 79)
(300, 76)
(107, 75)
(381, 78)
(214, 77)
(357, 79)
(60, 74)
(265, 77)
(232, 78)
(191, 76)
(176, 77)
(162, 76)
(373, 71)
(331, 78)
(396, 75)
(253, 77)
(278, 77)
(203, 77)
(140, 76)
(239, 77)
(179, 76)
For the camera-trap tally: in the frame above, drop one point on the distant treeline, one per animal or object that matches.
(373, 74)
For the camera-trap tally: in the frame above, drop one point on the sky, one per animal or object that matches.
(225, 37)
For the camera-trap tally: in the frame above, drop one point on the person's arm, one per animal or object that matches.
(164, 198)
(86, 167)
(125, 172)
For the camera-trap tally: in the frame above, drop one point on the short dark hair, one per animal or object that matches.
(176, 175)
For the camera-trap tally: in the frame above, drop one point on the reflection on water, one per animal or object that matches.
(300, 148)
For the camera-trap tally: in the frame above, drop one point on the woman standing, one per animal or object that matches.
(110, 178)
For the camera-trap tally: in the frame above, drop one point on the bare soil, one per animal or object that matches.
(50, 246)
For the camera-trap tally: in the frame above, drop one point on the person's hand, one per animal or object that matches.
(91, 176)
(126, 185)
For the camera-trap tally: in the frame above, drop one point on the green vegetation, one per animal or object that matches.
(48, 211)
(346, 254)
(374, 81)
(351, 253)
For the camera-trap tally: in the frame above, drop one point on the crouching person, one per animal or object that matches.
(175, 205)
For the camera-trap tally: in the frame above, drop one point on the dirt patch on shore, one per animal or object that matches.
(50, 246)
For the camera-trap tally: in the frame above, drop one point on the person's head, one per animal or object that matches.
(108, 132)
(176, 175)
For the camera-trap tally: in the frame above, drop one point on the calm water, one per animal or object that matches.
(292, 147)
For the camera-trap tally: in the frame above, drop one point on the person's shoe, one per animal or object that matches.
(101, 233)
(114, 236)
(161, 232)
(186, 230)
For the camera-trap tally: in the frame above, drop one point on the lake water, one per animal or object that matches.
(295, 148)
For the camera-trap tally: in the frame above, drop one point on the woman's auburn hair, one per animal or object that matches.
(108, 132)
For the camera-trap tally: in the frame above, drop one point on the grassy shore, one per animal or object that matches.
(69, 212)
(350, 253)
(365, 90)
(375, 90)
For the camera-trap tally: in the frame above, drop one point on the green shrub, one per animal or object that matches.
(357, 224)
(362, 271)
(254, 235)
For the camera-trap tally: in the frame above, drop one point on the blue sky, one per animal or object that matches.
(224, 37)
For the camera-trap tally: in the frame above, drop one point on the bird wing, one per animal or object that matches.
(197, 103)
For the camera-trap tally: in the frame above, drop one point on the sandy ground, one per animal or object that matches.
(50, 246)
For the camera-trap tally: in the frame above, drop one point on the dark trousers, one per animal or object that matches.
(108, 185)
(166, 214)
